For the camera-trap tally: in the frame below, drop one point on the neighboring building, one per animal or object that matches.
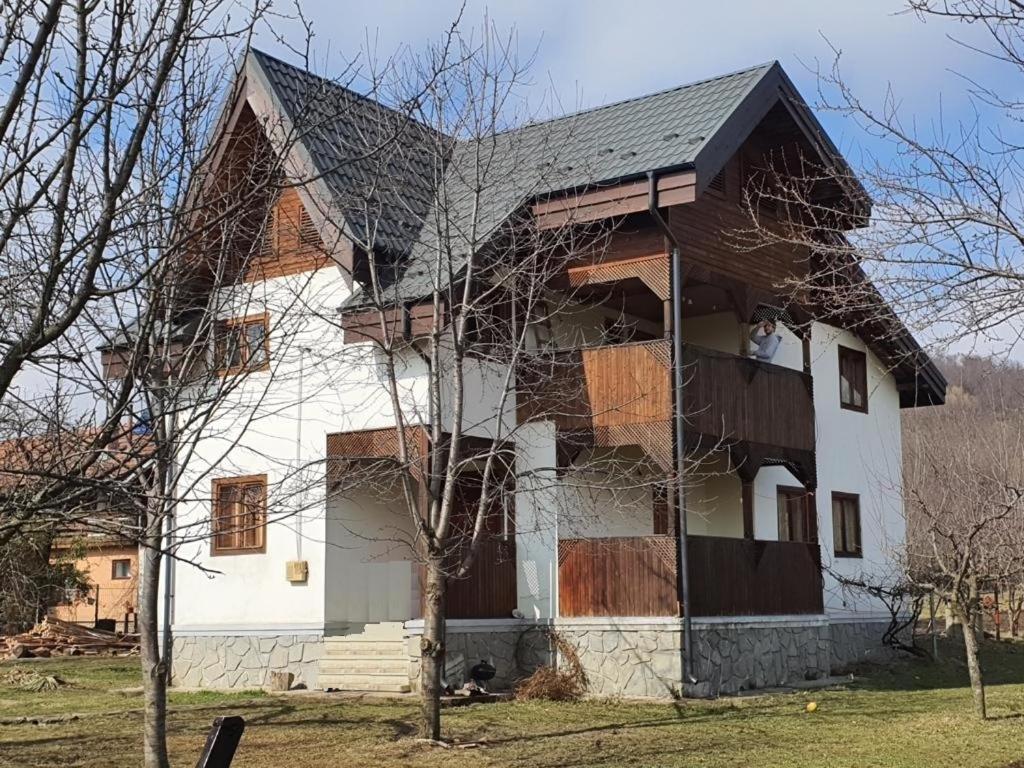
(110, 568)
(808, 473)
(80, 499)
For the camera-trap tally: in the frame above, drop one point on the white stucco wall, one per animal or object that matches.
(341, 389)
(537, 521)
(857, 453)
(357, 549)
(370, 565)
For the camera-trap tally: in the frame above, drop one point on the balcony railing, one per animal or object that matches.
(724, 395)
(599, 386)
(636, 576)
(744, 399)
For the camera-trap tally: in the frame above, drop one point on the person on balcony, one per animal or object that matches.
(766, 340)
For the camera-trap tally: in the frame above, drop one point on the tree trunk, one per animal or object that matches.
(154, 674)
(432, 648)
(965, 617)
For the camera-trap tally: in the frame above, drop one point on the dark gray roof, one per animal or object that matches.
(337, 126)
(487, 179)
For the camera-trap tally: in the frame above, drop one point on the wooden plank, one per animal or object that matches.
(620, 200)
(626, 576)
(221, 742)
(746, 577)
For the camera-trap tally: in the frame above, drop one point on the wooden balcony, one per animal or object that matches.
(636, 576)
(598, 387)
(740, 398)
(725, 396)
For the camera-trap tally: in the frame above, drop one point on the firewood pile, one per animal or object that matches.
(53, 637)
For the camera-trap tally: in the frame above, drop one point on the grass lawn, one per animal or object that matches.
(916, 714)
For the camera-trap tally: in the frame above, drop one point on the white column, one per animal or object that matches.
(537, 521)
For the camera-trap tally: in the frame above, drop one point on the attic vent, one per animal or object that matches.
(717, 184)
(308, 234)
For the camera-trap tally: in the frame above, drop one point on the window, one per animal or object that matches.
(121, 569)
(239, 514)
(242, 344)
(846, 524)
(798, 520)
(853, 380)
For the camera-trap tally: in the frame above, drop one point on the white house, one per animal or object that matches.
(803, 485)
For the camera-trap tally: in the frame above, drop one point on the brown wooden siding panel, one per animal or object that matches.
(291, 244)
(636, 576)
(600, 386)
(711, 232)
(489, 590)
(742, 399)
(632, 576)
(726, 396)
(619, 200)
(747, 577)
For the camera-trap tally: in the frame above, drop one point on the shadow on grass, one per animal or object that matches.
(681, 715)
(1002, 664)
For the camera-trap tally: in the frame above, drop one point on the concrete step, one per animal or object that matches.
(388, 683)
(368, 658)
(364, 649)
(384, 630)
(364, 637)
(364, 667)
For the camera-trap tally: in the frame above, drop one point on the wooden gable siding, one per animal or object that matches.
(291, 243)
(710, 235)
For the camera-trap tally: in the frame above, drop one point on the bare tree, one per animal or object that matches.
(964, 482)
(942, 254)
(468, 307)
(123, 229)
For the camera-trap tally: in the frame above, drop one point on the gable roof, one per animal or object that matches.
(697, 127)
(336, 126)
(488, 180)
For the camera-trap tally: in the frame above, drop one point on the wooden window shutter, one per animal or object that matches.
(239, 514)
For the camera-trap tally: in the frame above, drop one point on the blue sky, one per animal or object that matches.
(598, 51)
(594, 52)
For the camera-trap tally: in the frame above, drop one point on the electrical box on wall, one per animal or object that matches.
(297, 571)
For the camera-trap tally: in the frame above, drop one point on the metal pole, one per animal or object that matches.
(167, 540)
(682, 575)
(680, 457)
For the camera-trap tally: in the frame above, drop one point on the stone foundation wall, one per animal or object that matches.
(854, 642)
(243, 661)
(735, 657)
(631, 658)
(628, 660)
(514, 651)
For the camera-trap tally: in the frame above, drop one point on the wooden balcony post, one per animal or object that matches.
(747, 497)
